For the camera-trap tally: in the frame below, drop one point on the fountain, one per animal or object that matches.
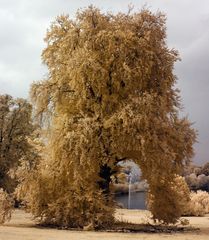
(129, 191)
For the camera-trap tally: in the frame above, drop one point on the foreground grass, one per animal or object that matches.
(22, 227)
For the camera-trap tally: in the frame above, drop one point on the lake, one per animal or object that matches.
(137, 200)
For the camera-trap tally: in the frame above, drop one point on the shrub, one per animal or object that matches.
(198, 205)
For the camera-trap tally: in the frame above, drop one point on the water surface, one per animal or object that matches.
(137, 200)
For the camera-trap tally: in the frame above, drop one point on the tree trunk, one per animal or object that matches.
(104, 183)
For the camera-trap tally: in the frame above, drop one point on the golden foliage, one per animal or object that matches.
(109, 96)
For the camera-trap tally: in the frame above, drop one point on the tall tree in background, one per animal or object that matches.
(15, 129)
(109, 97)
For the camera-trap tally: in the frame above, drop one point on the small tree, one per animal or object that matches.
(15, 129)
(109, 97)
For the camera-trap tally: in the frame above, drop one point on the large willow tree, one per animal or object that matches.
(109, 96)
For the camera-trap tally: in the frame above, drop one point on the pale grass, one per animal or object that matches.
(22, 227)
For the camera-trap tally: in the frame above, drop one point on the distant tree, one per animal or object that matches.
(198, 182)
(205, 169)
(15, 129)
(109, 97)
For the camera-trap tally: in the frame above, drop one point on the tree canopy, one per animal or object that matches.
(110, 96)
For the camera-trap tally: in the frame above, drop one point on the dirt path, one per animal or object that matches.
(21, 227)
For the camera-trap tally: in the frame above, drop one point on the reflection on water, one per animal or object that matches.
(137, 200)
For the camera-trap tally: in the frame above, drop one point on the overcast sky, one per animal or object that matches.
(23, 25)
